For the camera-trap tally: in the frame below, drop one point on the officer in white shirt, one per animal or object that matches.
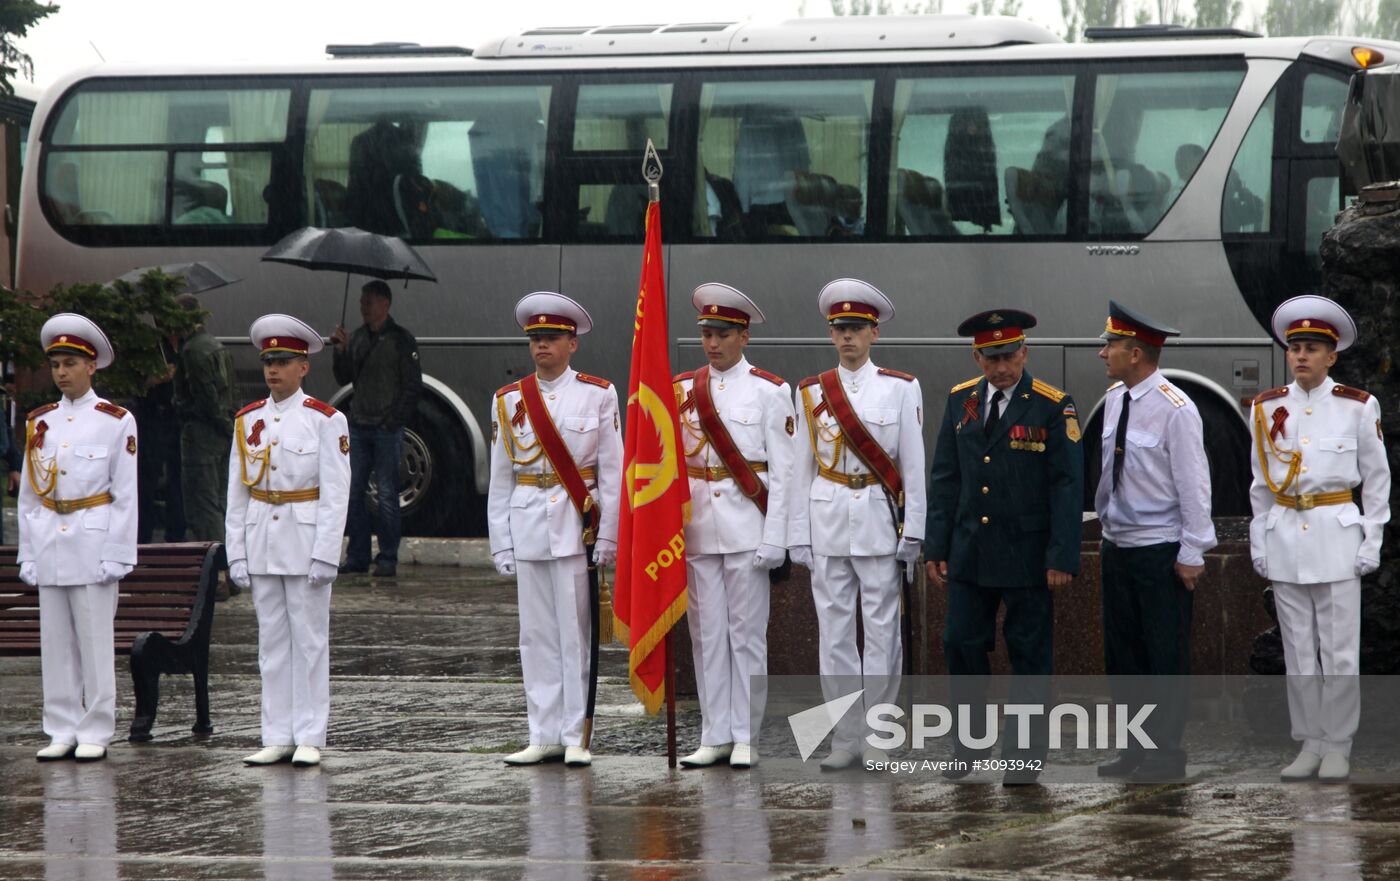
(1153, 500)
(537, 528)
(77, 537)
(288, 494)
(859, 466)
(1315, 442)
(733, 539)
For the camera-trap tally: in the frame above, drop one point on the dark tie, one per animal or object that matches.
(994, 414)
(1120, 438)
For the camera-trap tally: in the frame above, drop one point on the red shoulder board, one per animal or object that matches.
(507, 389)
(594, 380)
(900, 374)
(811, 380)
(40, 411)
(1355, 394)
(117, 412)
(764, 374)
(680, 377)
(251, 407)
(319, 406)
(1271, 394)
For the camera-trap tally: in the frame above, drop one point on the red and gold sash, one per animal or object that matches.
(724, 445)
(865, 446)
(559, 456)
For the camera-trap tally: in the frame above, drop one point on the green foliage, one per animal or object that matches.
(1217, 13)
(16, 18)
(1081, 14)
(992, 7)
(1387, 23)
(1288, 18)
(128, 314)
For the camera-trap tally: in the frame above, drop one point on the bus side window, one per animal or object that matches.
(1245, 207)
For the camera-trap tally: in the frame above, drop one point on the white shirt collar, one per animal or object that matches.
(739, 368)
(87, 400)
(1323, 390)
(856, 375)
(292, 400)
(1147, 385)
(558, 382)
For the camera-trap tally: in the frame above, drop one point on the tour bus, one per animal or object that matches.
(15, 112)
(958, 163)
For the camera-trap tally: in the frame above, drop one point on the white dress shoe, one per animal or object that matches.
(743, 756)
(1303, 768)
(577, 756)
(536, 753)
(872, 754)
(306, 756)
(90, 752)
(706, 756)
(1334, 769)
(839, 760)
(55, 751)
(270, 755)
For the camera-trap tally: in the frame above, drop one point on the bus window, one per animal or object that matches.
(1324, 98)
(428, 163)
(108, 160)
(783, 159)
(615, 120)
(1150, 131)
(1245, 207)
(965, 145)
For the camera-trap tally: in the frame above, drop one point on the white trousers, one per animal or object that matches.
(554, 644)
(1321, 629)
(79, 667)
(727, 613)
(837, 584)
(294, 655)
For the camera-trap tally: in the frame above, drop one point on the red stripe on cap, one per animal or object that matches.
(542, 321)
(852, 309)
(69, 341)
(724, 313)
(1121, 327)
(285, 344)
(1002, 336)
(1313, 325)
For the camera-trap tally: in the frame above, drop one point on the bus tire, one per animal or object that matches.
(437, 489)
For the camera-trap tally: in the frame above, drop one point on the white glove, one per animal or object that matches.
(1365, 566)
(238, 574)
(604, 552)
(909, 550)
(29, 574)
(1261, 566)
(801, 554)
(768, 557)
(505, 562)
(321, 573)
(110, 573)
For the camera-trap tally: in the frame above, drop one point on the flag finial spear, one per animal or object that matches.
(651, 171)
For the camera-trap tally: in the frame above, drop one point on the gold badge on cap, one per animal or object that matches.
(1307, 322)
(846, 306)
(273, 341)
(714, 308)
(995, 318)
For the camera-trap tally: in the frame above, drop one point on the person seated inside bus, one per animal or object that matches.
(1242, 211)
(379, 155)
(506, 147)
(811, 201)
(770, 150)
(1188, 159)
(848, 221)
(970, 169)
(722, 209)
(413, 203)
(457, 212)
(61, 193)
(1036, 196)
(330, 202)
(200, 202)
(922, 206)
(1141, 192)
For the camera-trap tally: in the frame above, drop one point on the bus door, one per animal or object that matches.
(1314, 173)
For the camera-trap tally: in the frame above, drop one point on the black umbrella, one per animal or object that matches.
(350, 249)
(199, 276)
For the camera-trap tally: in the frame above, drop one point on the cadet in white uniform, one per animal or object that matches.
(843, 522)
(77, 537)
(288, 494)
(1315, 441)
(731, 543)
(537, 529)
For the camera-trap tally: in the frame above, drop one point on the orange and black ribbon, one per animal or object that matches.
(970, 409)
(1276, 431)
(256, 436)
(36, 440)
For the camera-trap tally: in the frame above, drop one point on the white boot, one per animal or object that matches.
(270, 755)
(55, 751)
(873, 755)
(1303, 768)
(533, 755)
(1335, 768)
(839, 760)
(577, 756)
(90, 752)
(306, 756)
(744, 756)
(706, 756)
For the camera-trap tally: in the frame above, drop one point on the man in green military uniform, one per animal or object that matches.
(1005, 498)
(204, 402)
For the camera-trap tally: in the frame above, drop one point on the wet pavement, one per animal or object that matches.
(427, 699)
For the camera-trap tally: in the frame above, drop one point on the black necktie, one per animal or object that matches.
(994, 414)
(1120, 438)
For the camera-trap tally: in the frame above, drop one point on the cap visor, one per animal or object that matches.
(1003, 349)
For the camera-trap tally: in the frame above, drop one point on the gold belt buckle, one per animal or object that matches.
(274, 497)
(1306, 502)
(63, 506)
(855, 481)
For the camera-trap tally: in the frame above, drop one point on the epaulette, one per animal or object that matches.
(507, 389)
(681, 377)
(40, 411)
(319, 406)
(1114, 386)
(965, 385)
(1047, 390)
(764, 374)
(1172, 395)
(251, 407)
(1355, 394)
(897, 374)
(594, 380)
(1271, 394)
(811, 380)
(118, 412)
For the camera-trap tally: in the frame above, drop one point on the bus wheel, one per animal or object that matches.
(437, 492)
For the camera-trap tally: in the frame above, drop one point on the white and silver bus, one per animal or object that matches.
(958, 163)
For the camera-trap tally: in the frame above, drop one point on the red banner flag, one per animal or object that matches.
(649, 590)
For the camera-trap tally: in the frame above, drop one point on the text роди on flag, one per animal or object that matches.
(649, 591)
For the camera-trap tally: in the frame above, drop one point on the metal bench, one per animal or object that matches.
(165, 613)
